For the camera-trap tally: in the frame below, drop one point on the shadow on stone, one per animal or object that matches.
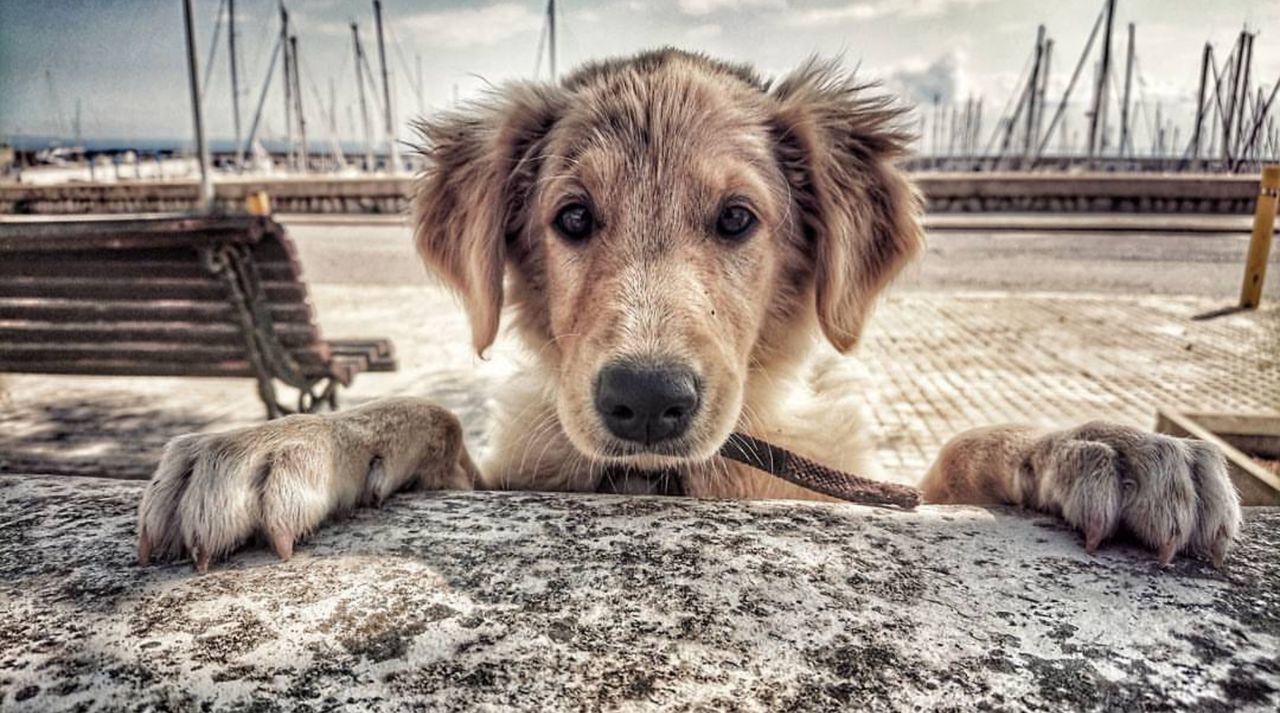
(116, 435)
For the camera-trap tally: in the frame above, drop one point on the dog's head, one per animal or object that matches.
(669, 227)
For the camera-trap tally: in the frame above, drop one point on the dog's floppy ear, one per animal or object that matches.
(481, 163)
(837, 144)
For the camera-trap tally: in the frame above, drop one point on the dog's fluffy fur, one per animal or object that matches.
(657, 145)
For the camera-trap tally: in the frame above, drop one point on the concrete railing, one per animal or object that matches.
(449, 601)
(1088, 193)
(946, 193)
(325, 195)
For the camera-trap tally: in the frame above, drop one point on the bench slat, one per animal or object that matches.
(310, 355)
(264, 247)
(315, 352)
(63, 310)
(20, 331)
(382, 347)
(378, 352)
(29, 265)
(135, 367)
(125, 234)
(140, 288)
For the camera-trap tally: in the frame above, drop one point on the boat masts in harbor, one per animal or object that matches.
(304, 153)
(1232, 125)
(388, 109)
(1126, 144)
(1098, 115)
(235, 72)
(1052, 117)
(241, 150)
(287, 81)
(364, 105)
(205, 201)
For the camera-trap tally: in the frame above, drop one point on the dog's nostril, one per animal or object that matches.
(623, 412)
(646, 404)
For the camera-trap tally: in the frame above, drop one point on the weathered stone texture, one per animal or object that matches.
(540, 602)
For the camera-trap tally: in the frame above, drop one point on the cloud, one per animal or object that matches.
(586, 15)
(920, 84)
(699, 8)
(704, 32)
(472, 26)
(875, 9)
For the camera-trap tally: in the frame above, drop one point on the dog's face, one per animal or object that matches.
(670, 226)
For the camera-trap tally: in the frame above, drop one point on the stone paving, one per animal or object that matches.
(936, 363)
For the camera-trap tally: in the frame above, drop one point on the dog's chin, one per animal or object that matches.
(656, 456)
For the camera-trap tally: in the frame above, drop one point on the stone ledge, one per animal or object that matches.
(453, 601)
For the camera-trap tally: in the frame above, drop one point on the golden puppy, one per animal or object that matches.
(674, 238)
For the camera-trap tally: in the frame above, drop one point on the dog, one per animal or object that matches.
(677, 241)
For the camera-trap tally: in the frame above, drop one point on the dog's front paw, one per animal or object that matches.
(1173, 494)
(212, 492)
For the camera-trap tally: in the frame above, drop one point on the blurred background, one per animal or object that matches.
(995, 83)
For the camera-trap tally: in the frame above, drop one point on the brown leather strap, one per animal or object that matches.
(815, 476)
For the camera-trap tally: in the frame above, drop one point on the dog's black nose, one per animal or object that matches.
(646, 404)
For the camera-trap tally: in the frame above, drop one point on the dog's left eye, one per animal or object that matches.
(734, 222)
(575, 222)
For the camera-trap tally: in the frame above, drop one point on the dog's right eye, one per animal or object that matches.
(574, 222)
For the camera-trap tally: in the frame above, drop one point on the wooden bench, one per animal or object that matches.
(171, 296)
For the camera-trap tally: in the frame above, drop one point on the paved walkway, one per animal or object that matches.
(937, 362)
(960, 360)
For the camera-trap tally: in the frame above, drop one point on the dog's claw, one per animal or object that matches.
(201, 557)
(1092, 541)
(1175, 496)
(144, 549)
(1218, 550)
(282, 543)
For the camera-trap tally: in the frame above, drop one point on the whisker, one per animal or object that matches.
(544, 426)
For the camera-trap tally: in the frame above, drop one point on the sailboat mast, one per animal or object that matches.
(205, 201)
(364, 105)
(1098, 118)
(304, 155)
(288, 84)
(235, 73)
(1125, 137)
(386, 91)
(1033, 94)
(551, 37)
(1200, 105)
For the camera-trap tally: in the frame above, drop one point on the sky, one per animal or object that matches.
(124, 61)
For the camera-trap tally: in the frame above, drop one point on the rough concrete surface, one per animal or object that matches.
(540, 602)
